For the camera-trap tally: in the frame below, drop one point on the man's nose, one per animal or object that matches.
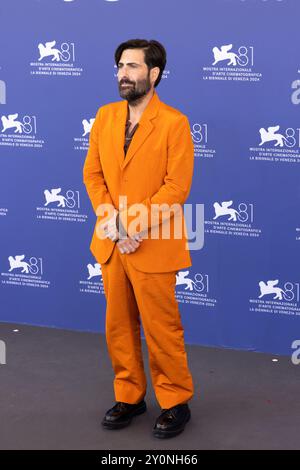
(123, 74)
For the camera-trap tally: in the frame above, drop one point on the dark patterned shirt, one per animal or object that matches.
(128, 135)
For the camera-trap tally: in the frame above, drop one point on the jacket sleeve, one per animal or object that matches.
(176, 187)
(93, 177)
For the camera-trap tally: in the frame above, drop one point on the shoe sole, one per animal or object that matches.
(163, 434)
(123, 424)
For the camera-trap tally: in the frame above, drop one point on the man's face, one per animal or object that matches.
(133, 75)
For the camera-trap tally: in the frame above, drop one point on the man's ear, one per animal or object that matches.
(154, 73)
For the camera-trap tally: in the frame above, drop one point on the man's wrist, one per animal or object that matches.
(121, 230)
(117, 227)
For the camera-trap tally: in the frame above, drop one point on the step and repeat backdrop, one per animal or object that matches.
(233, 69)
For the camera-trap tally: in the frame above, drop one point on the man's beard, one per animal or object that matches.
(135, 92)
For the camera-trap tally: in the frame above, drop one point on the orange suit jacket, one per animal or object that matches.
(157, 169)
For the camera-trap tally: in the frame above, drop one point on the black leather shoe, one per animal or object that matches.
(172, 421)
(121, 414)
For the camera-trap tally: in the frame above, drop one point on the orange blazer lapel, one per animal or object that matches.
(143, 131)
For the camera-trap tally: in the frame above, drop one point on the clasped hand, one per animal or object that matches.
(125, 245)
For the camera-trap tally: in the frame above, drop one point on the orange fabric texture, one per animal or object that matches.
(157, 169)
(134, 298)
(140, 286)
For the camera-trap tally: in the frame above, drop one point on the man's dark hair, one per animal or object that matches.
(154, 52)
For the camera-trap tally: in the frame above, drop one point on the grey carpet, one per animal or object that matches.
(57, 384)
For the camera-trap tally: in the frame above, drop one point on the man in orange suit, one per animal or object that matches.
(138, 174)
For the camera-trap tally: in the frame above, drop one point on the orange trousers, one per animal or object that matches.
(134, 297)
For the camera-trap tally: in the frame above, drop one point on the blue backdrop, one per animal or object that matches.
(233, 69)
